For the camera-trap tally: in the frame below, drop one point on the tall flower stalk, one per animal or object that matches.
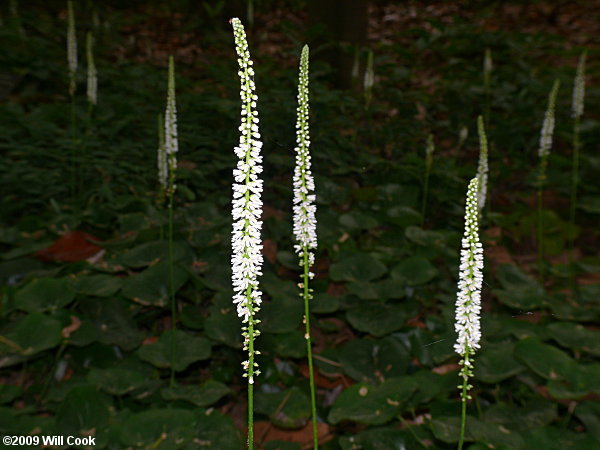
(488, 66)
(163, 169)
(246, 258)
(305, 222)
(577, 112)
(92, 74)
(482, 168)
(543, 152)
(429, 149)
(468, 299)
(171, 147)
(71, 48)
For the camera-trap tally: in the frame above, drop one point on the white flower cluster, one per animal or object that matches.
(305, 222)
(579, 87)
(247, 259)
(171, 141)
(92, 75)
(163, 170)
(468, 299)
(71, 46)
(482, 168)
(548, 125)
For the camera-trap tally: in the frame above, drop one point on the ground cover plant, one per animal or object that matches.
(118, 316)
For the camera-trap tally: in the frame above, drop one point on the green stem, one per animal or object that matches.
(425, 191)
(464, 395)
(573, 206)
(540, 221)
(250, 371)
(172, 285)
(313, 400)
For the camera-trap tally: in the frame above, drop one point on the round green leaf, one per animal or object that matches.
(575, 336)
(495, 364)
(545, 360)
(99, 285)
(151, 287)
(32, 334)
(287, 409)
(151, 252)
(357, 267)
(159, 429)
(116, 381)
(414, 271)
(374, 360)
(215, 430)
(377, 318)
(45, 294)
(84, 408)
(206, 394)
(188, 349)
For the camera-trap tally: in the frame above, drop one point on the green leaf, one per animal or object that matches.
(497, 363)
(112, 322)
(286, 409)
(372, 405)
(32, 334)
(553, 438)
(151, 287)
(581, 380)
(99, 285)
(283, 313)
(357, 267)
(545, 360)
(116, 381)
(9, 392)
(575, 336)
(403, 216)
(381, 438)
(223, 324)
(414, 271)
(44, 294)
(287, 345)
(188, 349)
(374, 360)
(358, 221)
(159, 429)
(216, 431)
(206, 394)
(378, 319)
(536, 413)
(324, 304)
(520, 290)
(84, 408)
(152, 252)
(589, 414)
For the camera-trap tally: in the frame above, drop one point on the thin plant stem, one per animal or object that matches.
(172, 284)
(428, 162)
(313, 401)
(250, 371)
(463, 415)
(540, 220)
(573, 206)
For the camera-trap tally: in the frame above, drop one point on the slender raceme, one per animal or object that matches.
(163, 169)
(71, 47)
(305, 222)
(92, 75)
(429, 149)
(482, 168)
(577, 112)
(543, 152)
(246, 258)
(171, 147)
(468, 298)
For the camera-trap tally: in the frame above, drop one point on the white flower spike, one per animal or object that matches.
(579, 87)
(482, 169)
(71, 47)
(305, 222)
(247, 259)
(92, 74)
(548, 125)
(171, 146)
(468, 299)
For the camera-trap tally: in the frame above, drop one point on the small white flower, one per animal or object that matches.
(92, 75)
(579, 87)
(482, 168)
(171, 145)
(71, 47)
(548, 125)
(163, 170)
(468, 298)
(246, 257)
